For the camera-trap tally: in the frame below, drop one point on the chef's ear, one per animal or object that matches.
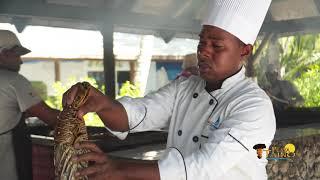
(246, 50)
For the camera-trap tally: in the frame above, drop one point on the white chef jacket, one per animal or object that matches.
(211, 134)
(16, 96)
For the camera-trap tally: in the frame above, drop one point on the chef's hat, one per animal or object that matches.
(242, 18)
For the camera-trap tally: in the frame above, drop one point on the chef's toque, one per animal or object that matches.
(242, 18)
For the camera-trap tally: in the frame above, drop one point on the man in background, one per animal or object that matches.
(16, 97)
(189, 66)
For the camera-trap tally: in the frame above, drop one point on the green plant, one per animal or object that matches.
(131, 90)
(309, 86)
(91, 119)
(299, 60)
(298, 52)
(300, 56)
(40, 87)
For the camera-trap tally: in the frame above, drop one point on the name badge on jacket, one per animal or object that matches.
(215, 124)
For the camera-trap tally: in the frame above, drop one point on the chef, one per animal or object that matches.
(214, 119)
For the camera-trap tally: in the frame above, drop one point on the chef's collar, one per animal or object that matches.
(240, 75)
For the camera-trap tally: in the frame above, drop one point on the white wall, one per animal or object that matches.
(44, 71)
(76, 69)
(39, 71)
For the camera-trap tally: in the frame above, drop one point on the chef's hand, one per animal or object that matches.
(95, 102)
(102, 168)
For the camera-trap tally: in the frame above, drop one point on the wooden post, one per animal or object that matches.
(132, 71)
(254, 58)
(57, 70)
(108, 60)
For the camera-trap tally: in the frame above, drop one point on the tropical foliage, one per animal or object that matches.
(91, 119)
(309, 85)
(299, 61)
(297, 53)
(128, 89)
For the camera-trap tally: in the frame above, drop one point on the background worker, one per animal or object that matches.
(16, 97)
(189, 66)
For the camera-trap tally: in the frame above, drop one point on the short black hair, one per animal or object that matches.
(259, 146)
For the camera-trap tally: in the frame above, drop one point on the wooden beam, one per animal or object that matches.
(152, 22)
(57, 71)
(108, 60)
(254, 58)
(264, 42)
(317, 3)
(132, 70)
(20, 23)
(125, 5)
(176, 8)
(294, 26)
(123, 17)
(120, 17)
(297, 116)
(39, 8)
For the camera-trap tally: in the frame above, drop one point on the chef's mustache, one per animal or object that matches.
(203, 64)
(203, 59)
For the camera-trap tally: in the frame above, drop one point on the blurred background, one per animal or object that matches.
(133, 47)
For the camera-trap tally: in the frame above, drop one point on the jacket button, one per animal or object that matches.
(211, 101)
(195, 95)
(195, 139)
(179, 133)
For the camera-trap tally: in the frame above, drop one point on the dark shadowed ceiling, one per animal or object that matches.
(167, 18)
